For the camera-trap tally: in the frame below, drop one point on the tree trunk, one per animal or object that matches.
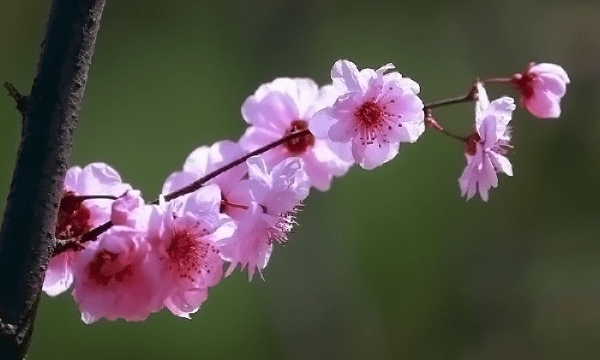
(49, 117)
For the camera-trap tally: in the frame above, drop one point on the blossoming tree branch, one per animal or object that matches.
(233, 201)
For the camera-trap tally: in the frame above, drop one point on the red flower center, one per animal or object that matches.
(100, 269)
(524, 84)
(471, 144)
(187, 253)
(73, 217)
(299, 145)
(374, 121)
(369, 114)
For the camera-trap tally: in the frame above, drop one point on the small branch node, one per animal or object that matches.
(12, 91)
(64, 245)
(16, 95)
(431, 122)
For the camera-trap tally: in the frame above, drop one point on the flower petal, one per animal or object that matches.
(345, 76)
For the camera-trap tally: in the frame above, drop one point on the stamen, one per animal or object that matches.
(285, 224)
(187, 252)
(374, 122)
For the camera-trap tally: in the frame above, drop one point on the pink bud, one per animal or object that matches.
(541, 87)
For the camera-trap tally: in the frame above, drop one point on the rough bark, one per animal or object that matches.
(50, 114)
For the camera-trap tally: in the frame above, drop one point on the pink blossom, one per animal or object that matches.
(113, 278)
(77, 216)
(375, 113)
(125, 208)
(487, 147)
(185, 236)
(542, 86)
(263, 206)
(283, 106)
(206, 159)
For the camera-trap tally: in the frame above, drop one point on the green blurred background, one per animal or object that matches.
(390, 263)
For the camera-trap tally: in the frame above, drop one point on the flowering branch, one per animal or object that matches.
(49, 118)
(299, 137)
(76, 244)
(430, 122)
(243, 196)
(94, 233)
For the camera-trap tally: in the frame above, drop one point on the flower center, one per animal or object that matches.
(369, 114)
(299, 145)
(374, 121)
(524, 84)
(471, 144)
(187, 253)
(104, 267)
(73, 217)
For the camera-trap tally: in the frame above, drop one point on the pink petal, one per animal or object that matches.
(467, 180)
(342, 131)
(320, 123)
(71, 177)
(487, 132)
(543, 105)
(186, 303)
(257, 169)
(382, 70)
(101, 179)
(376, 155)
(553, 84)
(326, 97)
(318, 173)
(487, 178)
(198, 160)
(206, 199)
(503, 109)
(345, 76)
(255, 137)
(358, 150)
(546, 68)
(59, 275)
(123, 207)
(483, 102)
(178, 180)
(275, 111)
(501, 163)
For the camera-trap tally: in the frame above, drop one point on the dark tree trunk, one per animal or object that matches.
(49, 117)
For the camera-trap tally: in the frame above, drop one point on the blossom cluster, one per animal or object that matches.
(169, 253)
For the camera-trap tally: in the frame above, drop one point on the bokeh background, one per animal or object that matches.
(390, 263)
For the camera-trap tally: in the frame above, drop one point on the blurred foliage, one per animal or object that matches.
(390, 263)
